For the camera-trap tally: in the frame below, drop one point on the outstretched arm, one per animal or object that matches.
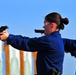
(70, 46)
(25, 43)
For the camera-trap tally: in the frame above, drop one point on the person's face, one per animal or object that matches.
(47, 27)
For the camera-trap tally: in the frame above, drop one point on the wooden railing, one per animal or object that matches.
(21, 53)
(6, 49)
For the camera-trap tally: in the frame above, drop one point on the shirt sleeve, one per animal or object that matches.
(27, 44)
(70, 46)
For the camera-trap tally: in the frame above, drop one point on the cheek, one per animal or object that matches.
(46, 28)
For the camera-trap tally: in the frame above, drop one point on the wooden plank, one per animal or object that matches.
(7, 57)
(34, 55)
(21, 62)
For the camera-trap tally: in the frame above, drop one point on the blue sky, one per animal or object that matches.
(23, 16)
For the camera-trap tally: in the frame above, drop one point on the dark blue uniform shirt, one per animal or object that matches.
(50, 50)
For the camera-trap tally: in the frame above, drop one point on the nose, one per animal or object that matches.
(44, 26)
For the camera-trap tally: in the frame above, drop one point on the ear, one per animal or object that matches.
(52, 25)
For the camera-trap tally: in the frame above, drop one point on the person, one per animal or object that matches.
(50, 48)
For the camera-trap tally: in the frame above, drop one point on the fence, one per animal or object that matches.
(16, 62)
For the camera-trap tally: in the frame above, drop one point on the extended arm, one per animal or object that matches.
(70, 46)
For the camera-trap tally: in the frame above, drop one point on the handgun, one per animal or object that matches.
(39, 31)
(2, 28)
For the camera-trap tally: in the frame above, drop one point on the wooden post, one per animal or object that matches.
(21, 62)
(34, 56)
(7, 57)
